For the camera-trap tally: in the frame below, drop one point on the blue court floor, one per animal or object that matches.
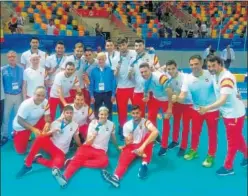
(168, 175)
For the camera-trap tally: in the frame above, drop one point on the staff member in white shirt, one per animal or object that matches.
(228, 56)
(139, 136)
(33, 77)
(25, 57)
(93, 153)
(55, 142)
(60, 92)
(54, 64)
(30, 118)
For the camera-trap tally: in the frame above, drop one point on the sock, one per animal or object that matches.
(116, 177)
(144, 163)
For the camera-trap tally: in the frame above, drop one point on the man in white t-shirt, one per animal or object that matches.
(112, 55)
(30, 118)
(50, 27)
(54, 64)
(232, 110)
(200, 85)
(55, 142)
(25, 57)
(93, 153)
(139, 136)
(33, 77)
(60, 92)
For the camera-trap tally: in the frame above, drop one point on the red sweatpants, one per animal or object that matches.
(21, 137)
(48, 92)
(235, 140)
(86, 156)
(45, 143)
(127, 157)
(212, 123)
(122, 97)
(83, 130)
(153, 108)
(54, 102)
(184, 112)
(85, 92)
(137, 100)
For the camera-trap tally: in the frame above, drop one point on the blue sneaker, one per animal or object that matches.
(4, 141)
(143, 170)
(113, 180)
(181, 152)
(24, 170)
(158, 140)
(173, 145)
(224, 172)
(120, 132)
(37, 157)
(59, 177)
(162, 151)
(244, 163)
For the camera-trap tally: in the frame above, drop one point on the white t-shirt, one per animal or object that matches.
(114, 59)
(225, 84)
(201, 89)
(176, 84)
(79, 65)
(138, 132)
(203, 27)
(63, 137)
(82, 115)
(103, 135)
(50, 29)
(30, 112)
(25, 58)
(54, 62)
(34, 78)
(122, 79)
(66, 83)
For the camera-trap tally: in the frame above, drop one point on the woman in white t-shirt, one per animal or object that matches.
(50, 27)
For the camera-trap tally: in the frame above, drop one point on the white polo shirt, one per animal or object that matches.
(112, 60)
(66, 83)
(25, 58)
(122, 79)
(138, 132)
(225, 84)
(30, 112)
(63, 137)
(176, 84)
(54, 62)
(103, 135)
(79, 66)
(34, 78)
(201, 89)
(82, 115)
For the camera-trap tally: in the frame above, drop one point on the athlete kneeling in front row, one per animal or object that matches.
(139, 135)
(62, 131)
(92, 153)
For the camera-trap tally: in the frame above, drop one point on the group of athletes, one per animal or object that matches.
(64, 81)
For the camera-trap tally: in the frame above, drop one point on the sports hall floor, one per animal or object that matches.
(168, 175)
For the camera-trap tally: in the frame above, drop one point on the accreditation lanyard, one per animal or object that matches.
(79, 62)
(58, 60)
(137, 58)
(110, 63)
(62, 126)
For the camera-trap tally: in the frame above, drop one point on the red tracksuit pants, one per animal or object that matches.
(154, 106)
(127, 156)
(122, 96)
(212, 124)
(54, 102)
(86, 156)
(181, 112)
(45, 143)
(138, 100)
(83, 130)
(235, 140)
(21, 137)
(85, 92)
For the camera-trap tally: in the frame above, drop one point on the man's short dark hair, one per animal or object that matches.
(35, 38)
(196, 56)
(171, 62)
(68, 108)
(139, 41)
(135, 107)
(143, 65)
(109, 40)
(60, 43)
(88, 49)
(69, 64)
(122, 40)
(214, 58)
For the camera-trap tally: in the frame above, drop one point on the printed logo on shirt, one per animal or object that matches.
(207, 80)
(71, 129)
